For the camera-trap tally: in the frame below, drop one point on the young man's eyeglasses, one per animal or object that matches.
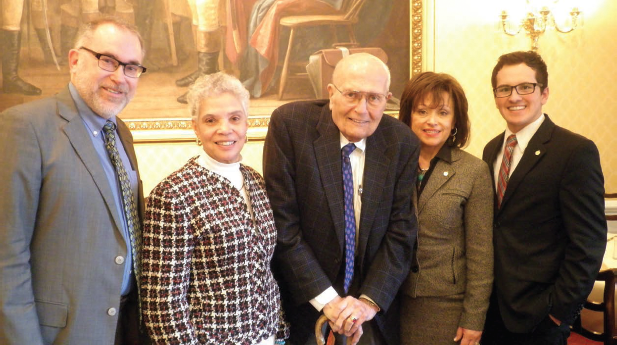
(521, 89)
(353, 97)
(110, 64)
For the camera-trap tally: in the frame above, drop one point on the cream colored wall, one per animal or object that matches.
(582, 69)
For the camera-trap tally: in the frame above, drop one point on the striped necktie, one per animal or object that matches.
(504, 170)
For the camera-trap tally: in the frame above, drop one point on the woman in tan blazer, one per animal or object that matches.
(446, 294)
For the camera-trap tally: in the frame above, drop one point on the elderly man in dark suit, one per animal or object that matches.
(549, 224)
(71, 196)
(340, 177)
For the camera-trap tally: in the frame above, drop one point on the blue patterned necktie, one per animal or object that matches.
(128, 203)
(350, 217)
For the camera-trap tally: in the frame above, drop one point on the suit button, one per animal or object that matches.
(119, 260)
(111, 311)
(415, 269)
(496, 225)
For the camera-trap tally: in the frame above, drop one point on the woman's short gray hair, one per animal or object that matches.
(213, 85)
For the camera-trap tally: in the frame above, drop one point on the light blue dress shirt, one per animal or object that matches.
(94, 125)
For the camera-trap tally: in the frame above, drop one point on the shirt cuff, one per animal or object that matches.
(363, 296)
(366, 297)
(323, 298)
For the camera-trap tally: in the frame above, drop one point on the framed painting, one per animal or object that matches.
(250, 40)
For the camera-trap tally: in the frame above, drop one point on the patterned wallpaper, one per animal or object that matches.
(467, 44)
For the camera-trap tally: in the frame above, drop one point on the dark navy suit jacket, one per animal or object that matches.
(302, 168)
(550, 232)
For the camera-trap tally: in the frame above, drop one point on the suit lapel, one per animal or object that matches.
(328, 155)
(376, 168)
(442, 172)
(127, 141)
(492, 150)
(82, 144)
(534, 152)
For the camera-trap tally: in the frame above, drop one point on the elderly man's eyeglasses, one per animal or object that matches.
(521, 89)
(353, 97)
(110, 64)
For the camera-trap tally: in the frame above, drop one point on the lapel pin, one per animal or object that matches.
(538, 153)
(445, 173)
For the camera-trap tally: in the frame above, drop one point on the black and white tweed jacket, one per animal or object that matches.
(206, 275)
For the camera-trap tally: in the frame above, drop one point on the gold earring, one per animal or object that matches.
(197, 141)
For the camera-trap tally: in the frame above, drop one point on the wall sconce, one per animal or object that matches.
(540, 16)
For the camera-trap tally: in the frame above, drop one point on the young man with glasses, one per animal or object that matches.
(549, 225)
(72, 202)
(340, 176)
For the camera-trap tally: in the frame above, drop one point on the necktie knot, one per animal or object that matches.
(511, 141)
(109, 127)
(348, 149)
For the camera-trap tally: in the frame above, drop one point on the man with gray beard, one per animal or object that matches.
(72, 202)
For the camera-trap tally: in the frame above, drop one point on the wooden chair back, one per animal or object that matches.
(607, 309)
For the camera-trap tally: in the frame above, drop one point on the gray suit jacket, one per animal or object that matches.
(60, 232)
(455, 236)
(302, 168)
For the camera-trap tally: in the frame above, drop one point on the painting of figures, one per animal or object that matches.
(188, 38)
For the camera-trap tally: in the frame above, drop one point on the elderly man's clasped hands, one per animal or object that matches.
(347, 315)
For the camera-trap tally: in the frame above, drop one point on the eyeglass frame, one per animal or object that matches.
(120, 63)
(364, 94)
(515, 87)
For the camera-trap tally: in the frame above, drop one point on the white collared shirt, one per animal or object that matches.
(522, 138)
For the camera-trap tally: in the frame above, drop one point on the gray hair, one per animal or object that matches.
(86, 31)
(213, 85)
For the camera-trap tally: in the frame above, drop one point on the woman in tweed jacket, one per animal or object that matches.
(446, 295)
(209, 236)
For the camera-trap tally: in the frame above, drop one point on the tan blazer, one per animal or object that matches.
(455, 236)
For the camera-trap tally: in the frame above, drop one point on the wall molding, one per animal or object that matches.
(610, 208)
(176, 130)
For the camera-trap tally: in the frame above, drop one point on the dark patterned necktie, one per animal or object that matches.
(128, 203)
(504, 170)
(350, 217)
